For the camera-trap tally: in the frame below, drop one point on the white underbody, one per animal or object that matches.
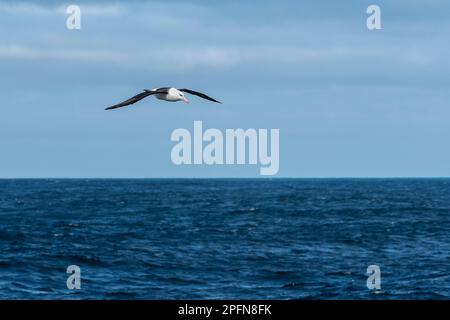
(166, 97)
(173, 95)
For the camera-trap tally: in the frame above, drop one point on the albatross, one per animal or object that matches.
(167, 94)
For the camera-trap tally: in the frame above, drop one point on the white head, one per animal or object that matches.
(178, 95)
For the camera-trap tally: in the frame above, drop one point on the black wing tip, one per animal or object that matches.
(213, 100)
(201, 95)
(115, 107)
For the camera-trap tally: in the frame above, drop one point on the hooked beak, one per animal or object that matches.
(185, 100)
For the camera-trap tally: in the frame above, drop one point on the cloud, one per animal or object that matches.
(161, 36)
(310, 68)
(16, 51)
(41, 8)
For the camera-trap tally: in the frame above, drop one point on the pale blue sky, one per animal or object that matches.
(348, 101)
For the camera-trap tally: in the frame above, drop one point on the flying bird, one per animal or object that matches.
(167, 94)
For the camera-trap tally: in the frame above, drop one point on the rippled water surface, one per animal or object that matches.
(218, 238)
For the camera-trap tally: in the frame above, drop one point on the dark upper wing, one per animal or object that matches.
(201, 95)
(135, 99)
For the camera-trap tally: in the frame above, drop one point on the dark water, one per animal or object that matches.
(192, 239)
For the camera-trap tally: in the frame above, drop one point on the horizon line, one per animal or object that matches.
(205, 178)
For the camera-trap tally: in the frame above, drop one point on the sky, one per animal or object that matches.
(348, 101)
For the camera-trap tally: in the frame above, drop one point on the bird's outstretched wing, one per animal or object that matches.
(136, 98)
(201, 95)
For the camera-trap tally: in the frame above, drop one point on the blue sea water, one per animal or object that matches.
(225, 238)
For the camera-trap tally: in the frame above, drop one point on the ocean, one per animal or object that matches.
(225, 238)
